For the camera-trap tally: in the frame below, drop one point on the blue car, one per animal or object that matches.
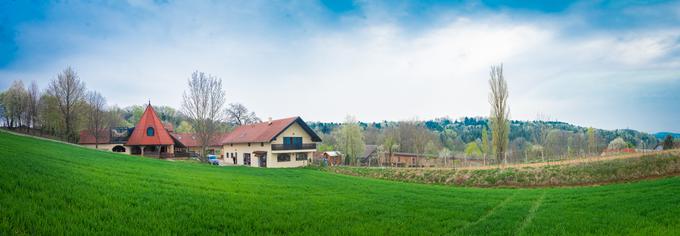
(212, 159)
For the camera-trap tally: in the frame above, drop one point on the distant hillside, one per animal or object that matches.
(662, 135)
(470, 128)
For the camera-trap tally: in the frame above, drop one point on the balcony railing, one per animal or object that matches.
(299, 146)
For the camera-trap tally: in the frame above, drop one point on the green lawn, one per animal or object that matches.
(49, 188)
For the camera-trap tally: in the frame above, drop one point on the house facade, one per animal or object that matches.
(286, 142)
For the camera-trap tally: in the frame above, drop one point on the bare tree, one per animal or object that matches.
(444, 153)
(202, 104)
(500, 113)
(238, 114)
(69, 92)
(97, 116)
(33, 102)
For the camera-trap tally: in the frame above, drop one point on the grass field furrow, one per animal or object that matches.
(488, 214)
(530, 215)
(49, 188)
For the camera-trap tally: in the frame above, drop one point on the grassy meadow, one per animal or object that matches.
(49, 188)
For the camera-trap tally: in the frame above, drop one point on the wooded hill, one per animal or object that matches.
(553, 138)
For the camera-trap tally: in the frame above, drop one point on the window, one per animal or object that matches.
(246, 159)
(283, 157)
(301, 156)
(149, 131)
(292, 140)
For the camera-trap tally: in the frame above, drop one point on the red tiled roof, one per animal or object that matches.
(190, 139)
(265, 131)
(150, 119)
(86, 137)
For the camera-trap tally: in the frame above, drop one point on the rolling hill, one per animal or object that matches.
(50, 188)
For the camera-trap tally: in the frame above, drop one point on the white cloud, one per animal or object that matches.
(373, 69)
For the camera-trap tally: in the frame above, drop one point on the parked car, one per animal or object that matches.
(212, 159)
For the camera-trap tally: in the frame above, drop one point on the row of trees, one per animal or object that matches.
(413, 136)
(63, 108)
(493, 140)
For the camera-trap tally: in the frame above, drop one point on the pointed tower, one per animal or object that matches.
(150, 131)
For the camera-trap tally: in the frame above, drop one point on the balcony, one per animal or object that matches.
(297, 146)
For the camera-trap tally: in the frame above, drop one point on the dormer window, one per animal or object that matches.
(150, 131)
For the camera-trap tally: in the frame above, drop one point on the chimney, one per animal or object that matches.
(270, 121)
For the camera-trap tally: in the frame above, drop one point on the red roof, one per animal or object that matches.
(86, 137)
(150, 120)
(190, 139)
(265, 131)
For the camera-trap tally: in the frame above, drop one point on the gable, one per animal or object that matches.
(150, 123)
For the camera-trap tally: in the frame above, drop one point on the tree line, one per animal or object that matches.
(492, 139)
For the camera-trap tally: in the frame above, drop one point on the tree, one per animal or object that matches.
(472, 150)
(617, 144)
(69, 92)
(14, 101)
(115, 117)
(350, 140)
(2, 110)
(184, 127)
(202, 103)
(668, 142)
(592, 141)
(238, 114)
(96, 116)
(538, 150)
(50, 115)
(33, 101)
(444, 153)
(391, 143)
(485, 145)
(500, 113)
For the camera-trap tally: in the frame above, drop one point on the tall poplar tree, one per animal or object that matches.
(500, 113)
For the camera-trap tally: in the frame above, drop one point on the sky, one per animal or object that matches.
(605, 64)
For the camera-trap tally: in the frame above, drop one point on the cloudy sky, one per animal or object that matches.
(596, 63)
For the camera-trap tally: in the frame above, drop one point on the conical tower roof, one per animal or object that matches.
(143, 135)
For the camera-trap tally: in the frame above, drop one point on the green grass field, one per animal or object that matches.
(49, 188)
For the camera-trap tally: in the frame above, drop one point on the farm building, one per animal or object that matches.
(333, 158)
(286, 142)
(370, 155)
(403, 159)
(150, 137)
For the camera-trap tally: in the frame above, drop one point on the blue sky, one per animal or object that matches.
(607, 64)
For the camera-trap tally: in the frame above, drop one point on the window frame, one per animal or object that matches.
(297, 156)
(281, 157)
(150, 132)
